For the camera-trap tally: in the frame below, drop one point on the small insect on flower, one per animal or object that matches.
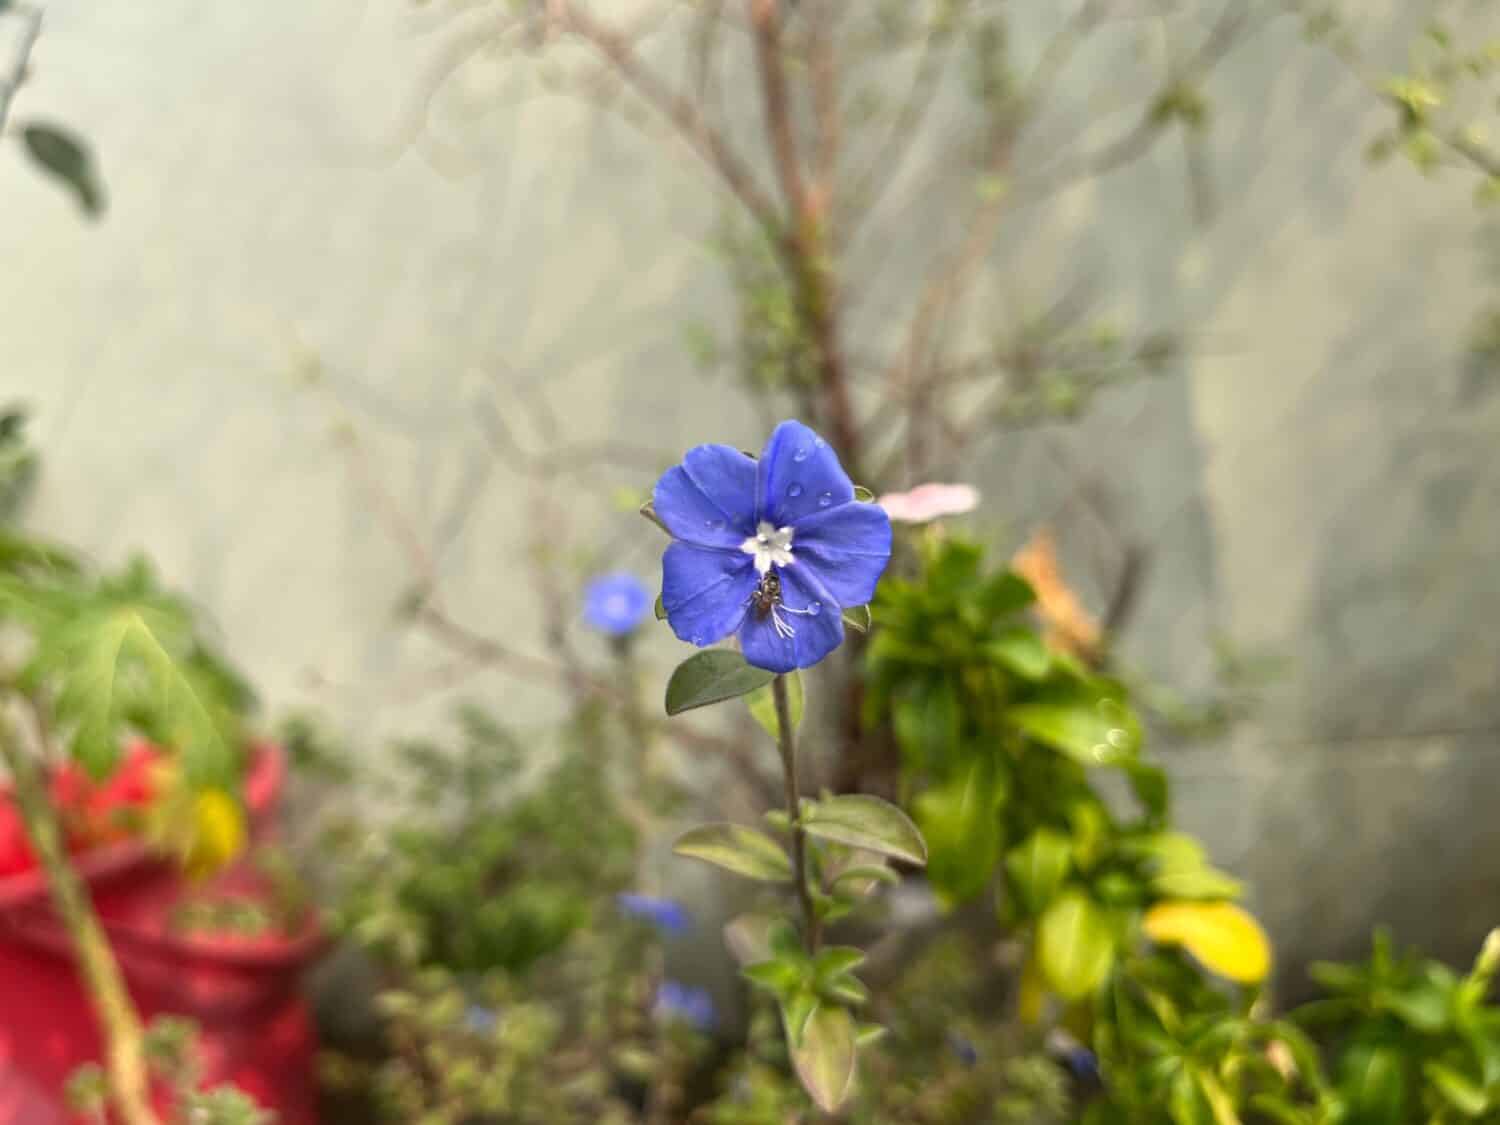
(770, 550)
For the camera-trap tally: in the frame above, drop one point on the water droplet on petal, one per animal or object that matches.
(814, 608)
(819, 443)
(825, 500)
(794, 490)
(801, 454)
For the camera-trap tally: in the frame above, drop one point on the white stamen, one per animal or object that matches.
(783, 629)
(769, 545)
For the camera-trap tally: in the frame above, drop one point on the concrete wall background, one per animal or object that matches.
(1313, 483)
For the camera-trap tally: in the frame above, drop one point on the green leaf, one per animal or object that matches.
(736, 848)
(836, 960)
(762, 704)
(1374, 1080)
(1021, 651)
(1074, 945)
(796, 1010)
(1463, 1094)
(858, 618)
(62, 155)
(862, 821)
(863, 495)
(961, 824)
(1205, 883)
(1150, 786)
(660, 609)
(710, 677)
(1037, 867)
(780, 975)
(825, 1057)
(121, 657)
(1090, 728)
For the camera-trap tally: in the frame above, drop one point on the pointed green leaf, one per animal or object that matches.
(862, 821)
(712, 676)
(825, 1057)
(736, 848)
(863, 494)
(762, 704)
(796, 1010)
(1020, 650)
(1074, 945)
(660, 609)
(1037, 867)
(961, 824)
(836, 960)
(1463, 1094)
(778, 975)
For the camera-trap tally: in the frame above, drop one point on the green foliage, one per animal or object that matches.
(484, 872)
(1415, 1040)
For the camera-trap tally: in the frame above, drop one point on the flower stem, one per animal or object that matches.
(786, 742)
(125, 1058)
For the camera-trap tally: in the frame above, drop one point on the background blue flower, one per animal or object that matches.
(675, 1000)
(671, 918)
(615, 603)
(773, 550)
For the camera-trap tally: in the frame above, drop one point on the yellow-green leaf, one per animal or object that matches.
(1224, 938)
(736, 848)
(825, 1057)
(1075, 947)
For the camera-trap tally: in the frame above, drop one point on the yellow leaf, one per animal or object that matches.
(218, 833)
(1224, 938)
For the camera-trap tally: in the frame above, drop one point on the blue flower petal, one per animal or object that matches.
(705, 592)
(798, 475)
(847, 549)
(615, 603)
(809, 610)
(669, 917)
(710, 498)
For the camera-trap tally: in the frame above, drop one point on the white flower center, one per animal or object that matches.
(769, 545)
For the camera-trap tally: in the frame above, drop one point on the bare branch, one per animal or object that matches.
(708, 142)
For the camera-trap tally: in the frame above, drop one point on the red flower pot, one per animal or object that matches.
(242, 992)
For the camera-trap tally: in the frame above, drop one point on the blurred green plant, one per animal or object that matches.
(483, 871)
(1413, 1040)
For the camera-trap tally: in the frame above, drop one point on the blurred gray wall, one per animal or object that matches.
(1314, 483)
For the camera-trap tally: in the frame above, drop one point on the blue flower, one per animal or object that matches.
(671, 918)
(678, 1001)
(773, 550)
(480, 1019)
(615, 603)
(967, 1053)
